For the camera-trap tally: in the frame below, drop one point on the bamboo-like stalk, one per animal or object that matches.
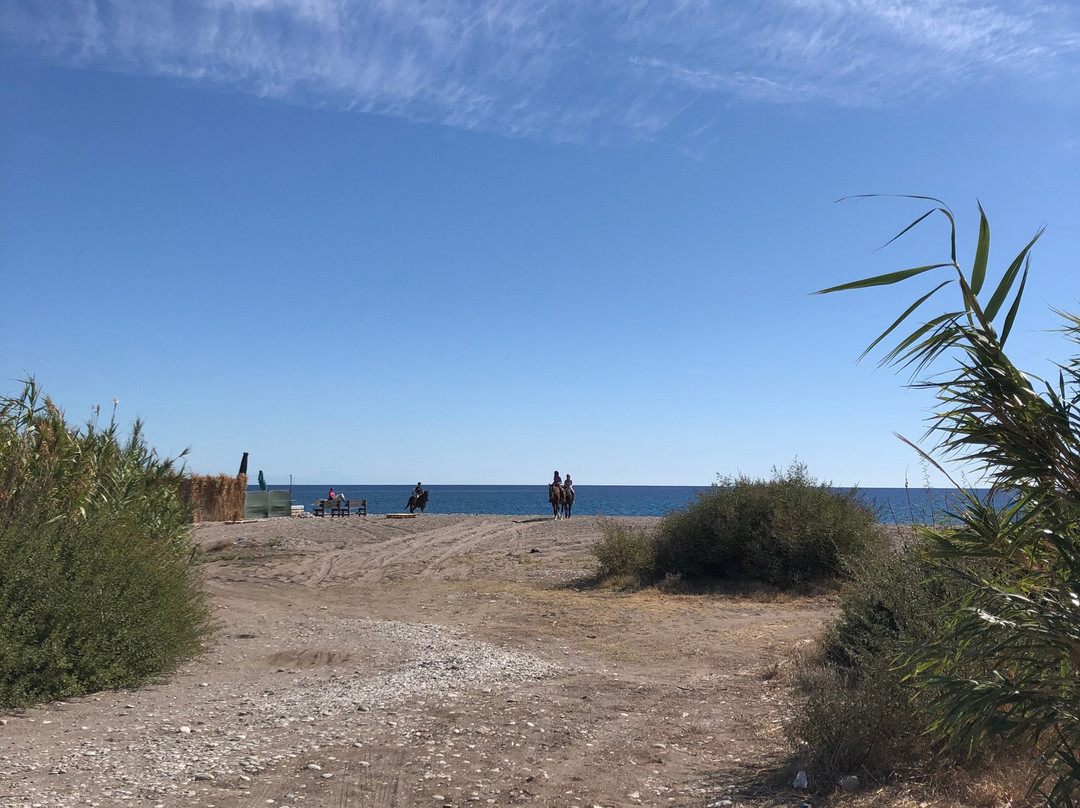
(214, 498)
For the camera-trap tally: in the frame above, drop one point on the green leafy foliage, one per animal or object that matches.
(625, 556)
(859, 715)
(784, 532)
(1005, 670)
(97, 588)
(869, 728)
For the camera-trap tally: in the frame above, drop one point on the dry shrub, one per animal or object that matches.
(1003, 781)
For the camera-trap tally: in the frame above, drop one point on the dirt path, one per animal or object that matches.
(441, 660)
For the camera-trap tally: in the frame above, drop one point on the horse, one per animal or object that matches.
(555, 497)
(567, 501)
(417, 502)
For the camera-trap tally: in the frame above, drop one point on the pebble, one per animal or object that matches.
(238, 731)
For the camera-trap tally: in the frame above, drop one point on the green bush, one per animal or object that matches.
(869, 729)
(860, 716)
(625, 557)
(97, 585)
(784, 532)
(894, 601)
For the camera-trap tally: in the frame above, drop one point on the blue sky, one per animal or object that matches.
(473, 242)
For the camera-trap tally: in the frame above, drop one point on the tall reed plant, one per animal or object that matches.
(1006, 669)
(97, 584)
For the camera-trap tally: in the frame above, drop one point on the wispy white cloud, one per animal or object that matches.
(563, 69)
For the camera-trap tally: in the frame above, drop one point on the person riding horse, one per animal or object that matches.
(555, 494)
(418, 500)
(568, 496)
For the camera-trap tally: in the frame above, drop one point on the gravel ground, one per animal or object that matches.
(436, 661)
(160, 743)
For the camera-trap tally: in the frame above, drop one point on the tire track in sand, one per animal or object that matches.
(370, 550)
(425, 551)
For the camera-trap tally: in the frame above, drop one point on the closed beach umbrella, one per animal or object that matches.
(262, 481)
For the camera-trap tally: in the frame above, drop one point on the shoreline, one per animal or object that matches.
(890, 505)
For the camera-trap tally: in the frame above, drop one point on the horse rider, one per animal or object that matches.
(418, 490)
(556, 485)
(568, 486)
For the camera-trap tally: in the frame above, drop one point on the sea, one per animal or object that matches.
(892, 505)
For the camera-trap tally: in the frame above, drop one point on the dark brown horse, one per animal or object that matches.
(417, 502)
(555, 497)
(567, 501)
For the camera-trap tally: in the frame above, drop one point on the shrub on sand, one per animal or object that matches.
(97, 585)
(860, 716)
(625, 556)
(786, 531)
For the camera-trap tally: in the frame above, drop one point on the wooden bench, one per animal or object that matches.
(339, 507)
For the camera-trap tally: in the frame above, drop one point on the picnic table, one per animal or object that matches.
(339, 507)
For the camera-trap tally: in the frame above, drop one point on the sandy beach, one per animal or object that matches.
(428, 661)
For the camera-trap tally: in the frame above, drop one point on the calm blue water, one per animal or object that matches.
(893, 505)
